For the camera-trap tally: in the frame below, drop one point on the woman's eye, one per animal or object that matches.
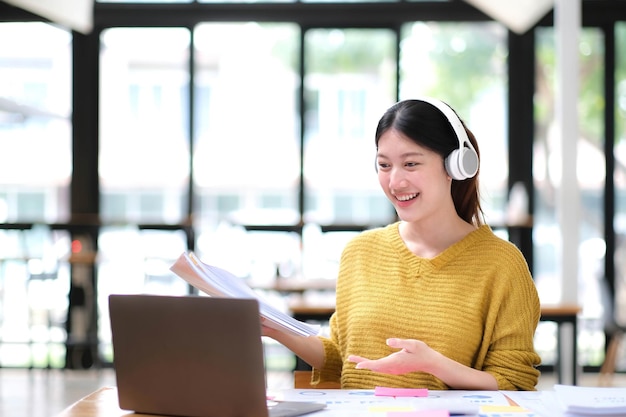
(412, 164)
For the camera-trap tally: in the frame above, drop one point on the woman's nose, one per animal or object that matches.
(397, 178)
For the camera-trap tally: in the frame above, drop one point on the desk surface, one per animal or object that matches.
(560, 309)
(358, 403)
(296, 285)
(100, 403)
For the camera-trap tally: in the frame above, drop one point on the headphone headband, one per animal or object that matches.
(462, 163)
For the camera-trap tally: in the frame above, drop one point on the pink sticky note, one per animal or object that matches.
(421, 413)
(400, 392)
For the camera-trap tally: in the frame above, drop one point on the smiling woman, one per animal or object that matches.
(477, 305)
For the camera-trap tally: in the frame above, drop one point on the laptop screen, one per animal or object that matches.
(190, 356)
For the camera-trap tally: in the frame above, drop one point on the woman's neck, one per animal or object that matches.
(429, 239)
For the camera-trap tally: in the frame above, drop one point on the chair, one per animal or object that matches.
(302, 379)
(614, 332)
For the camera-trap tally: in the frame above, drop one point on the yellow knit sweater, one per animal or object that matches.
(475, 303)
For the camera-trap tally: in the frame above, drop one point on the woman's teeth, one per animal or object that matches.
(406, 197)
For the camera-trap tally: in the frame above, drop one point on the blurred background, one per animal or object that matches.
(245, 132)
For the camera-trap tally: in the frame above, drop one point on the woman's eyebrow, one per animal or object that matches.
(404, 155)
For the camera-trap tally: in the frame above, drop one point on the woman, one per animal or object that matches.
(435, 300)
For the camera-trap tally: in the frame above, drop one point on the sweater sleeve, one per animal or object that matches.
(511, 357)
(331, 371)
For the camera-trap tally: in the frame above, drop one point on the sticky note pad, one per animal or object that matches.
(421, 413)
(400, 392)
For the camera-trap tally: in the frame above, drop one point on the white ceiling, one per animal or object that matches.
(517, 15)
(74, 14)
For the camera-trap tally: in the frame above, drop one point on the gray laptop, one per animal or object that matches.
(192, 356)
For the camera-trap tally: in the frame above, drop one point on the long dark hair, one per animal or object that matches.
(427, 126)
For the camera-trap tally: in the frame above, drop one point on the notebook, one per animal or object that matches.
(192, 356)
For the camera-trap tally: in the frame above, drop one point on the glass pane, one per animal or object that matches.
(465, 65)
(619, 175)
(144, 1)
(246, 155)
(35, 172)
(351, 1)
(591, 180)
(34, 284)
(349, 83)
(144, 151)
(247, 146)
(35, 125)
(246, 1)
(133, 261)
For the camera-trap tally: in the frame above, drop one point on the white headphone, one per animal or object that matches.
(462, 163)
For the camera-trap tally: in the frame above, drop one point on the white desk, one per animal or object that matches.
(344, 403)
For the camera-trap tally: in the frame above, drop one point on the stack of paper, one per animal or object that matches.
(586, 401)
(218, 282)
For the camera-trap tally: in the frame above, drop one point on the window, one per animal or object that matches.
(143, 161)
(35, 128)
(465, 65)
(144, 143)
(35, 171)
(246, 142)
(591, 179)
(349, 82)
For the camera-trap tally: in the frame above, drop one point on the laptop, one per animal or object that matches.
(192, 356)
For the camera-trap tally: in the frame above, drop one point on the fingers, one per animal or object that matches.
(393, 341)
(361, 362)
(356, 359)
(267, 330)
(408, 345)
(377, 365)
(406, 359)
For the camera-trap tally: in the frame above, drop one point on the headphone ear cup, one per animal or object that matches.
(462, 163)
(468, 162)
(452, 165)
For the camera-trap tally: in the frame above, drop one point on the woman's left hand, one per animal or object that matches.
(414, 355)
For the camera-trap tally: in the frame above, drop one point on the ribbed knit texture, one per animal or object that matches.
(475, 303)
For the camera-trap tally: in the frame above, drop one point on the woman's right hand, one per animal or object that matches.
(308, 348)
(267, 330)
